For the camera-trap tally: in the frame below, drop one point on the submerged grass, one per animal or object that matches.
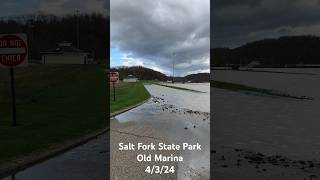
(179, 88)
(240, 87)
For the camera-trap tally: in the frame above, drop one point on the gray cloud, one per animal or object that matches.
(15, 8)
(57, 7)
(158, 31)
(70, 6)
(235, 23)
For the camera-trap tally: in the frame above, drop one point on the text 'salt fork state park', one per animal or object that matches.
(151, 110)
(159, 90)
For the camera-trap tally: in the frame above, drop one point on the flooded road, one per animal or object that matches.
(256, 136)
(89, 161)
(180, 116)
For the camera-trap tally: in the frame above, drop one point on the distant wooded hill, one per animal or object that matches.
(144, 73)
(286, 50)
(194, 78)
(140, 72)
(46, 31)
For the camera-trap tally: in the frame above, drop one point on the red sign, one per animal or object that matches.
(114, 77)
(13, 50)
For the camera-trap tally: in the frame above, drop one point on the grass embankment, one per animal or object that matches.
(54, 104)
(179, 88)
(127, 95)
(240, 87)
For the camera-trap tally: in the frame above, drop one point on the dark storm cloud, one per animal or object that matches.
(14, 8)
(70, 6)
(154, 33)
(235, 23)
(57, 7)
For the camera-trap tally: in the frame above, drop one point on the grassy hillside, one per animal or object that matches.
(54, 104)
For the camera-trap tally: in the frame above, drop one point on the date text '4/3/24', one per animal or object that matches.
(160, 169)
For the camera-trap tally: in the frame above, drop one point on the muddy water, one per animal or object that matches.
(299, 82)
(181, 116)
(184, 99)
(203, 87)
(265, 137)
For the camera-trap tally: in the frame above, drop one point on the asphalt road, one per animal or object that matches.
(89, 161)
(124, 165)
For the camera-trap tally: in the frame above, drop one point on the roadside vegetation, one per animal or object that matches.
(127, 95)
(244, 88)
(54, 104)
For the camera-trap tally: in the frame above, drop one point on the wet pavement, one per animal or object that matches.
(89, 161)
(124, 163)
(179, 116)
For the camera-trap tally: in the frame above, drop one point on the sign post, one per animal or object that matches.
(114, 92)
(13, 53)
(13, 95)
(114, 78)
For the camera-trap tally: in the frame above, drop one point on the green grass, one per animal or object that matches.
(240, 87)
(127, 94)
(54, 104)
(179, 88)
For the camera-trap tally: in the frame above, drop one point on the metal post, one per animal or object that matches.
(173, 72)
(114, 92)
(173, 59)
(13, 95)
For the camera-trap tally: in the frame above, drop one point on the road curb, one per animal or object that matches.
(20, 164)
(128, 108)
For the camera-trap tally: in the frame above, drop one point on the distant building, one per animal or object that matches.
(65, 53)
(130, 78)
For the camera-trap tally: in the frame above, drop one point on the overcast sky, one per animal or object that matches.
(236, 22)
(154, 33)
(57, 7)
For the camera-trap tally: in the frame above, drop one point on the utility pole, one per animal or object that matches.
(13, 95)
(173, 68)
(78, 28)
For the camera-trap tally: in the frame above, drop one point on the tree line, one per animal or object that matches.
(46, 31)
(140, 72)
(144, 73)
(287, 50)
